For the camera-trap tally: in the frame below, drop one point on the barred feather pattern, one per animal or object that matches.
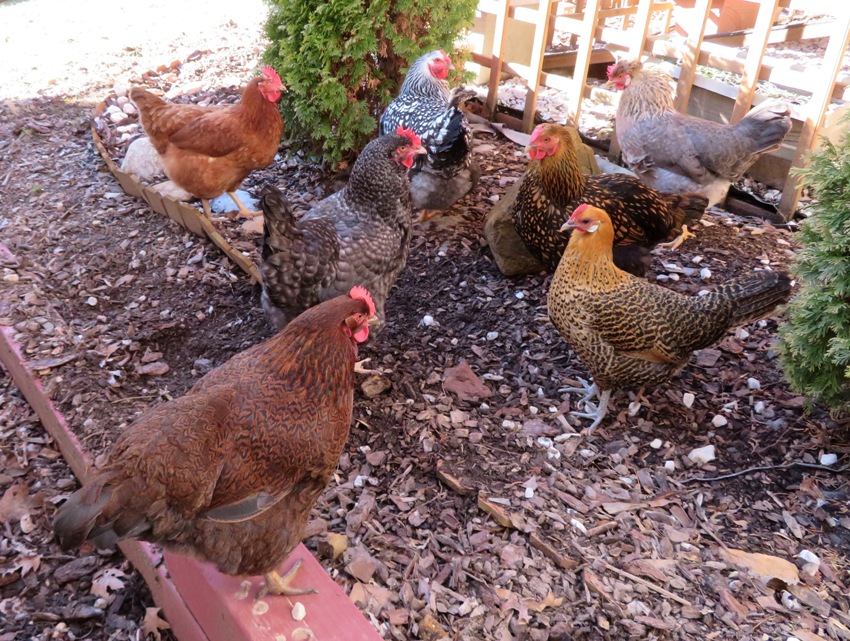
(632, 333)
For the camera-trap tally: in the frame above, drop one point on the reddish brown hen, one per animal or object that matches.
(230, 471)
(632, 333)
(553, 186)
(209, 151)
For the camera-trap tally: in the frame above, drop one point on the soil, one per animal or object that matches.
(465, 516)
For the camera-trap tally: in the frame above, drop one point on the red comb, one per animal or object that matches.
(410, 135)
(538, 130)
(445, 56)
(611, 68)
(579, 210)
(361, 293)
(270, 73)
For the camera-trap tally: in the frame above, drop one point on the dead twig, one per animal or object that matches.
(761, 468)
(644, 582)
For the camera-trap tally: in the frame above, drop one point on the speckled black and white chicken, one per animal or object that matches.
(427, 105)
(358, 236)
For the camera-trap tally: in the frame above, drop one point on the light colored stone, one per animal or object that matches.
(171, 190)
(224, 203)
(142, 161)
(719, 420)
(702, 455)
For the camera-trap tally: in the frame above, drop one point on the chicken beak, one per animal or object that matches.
(373, 320)
(567, 226)
(420, 150)
(610, 83)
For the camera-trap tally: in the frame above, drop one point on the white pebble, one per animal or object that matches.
(688, 399)
(753, 383)
(491, 336)
(719, 420)
(427, 320)
(673, 276)
(91, 300)
(762, 323)
(578, 525)
(129, 109)
(508, 424)
(764, 261)
(828, 459)
(519, 295)
(656, 444)
(705, 273)
(359, 480)
(299, 611)
(702, 455)
(553, 453)
(809, 557)
(696, 260)
(742, 334)
(662, 277)
(545, 441)
(758, 408)
(586, 453)
(790, 601)
(529, 492)
(533, 409)
(670, 466)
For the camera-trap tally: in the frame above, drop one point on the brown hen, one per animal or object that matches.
(674, 152)
(553, 186)
(632, 333)
(209, 151)
(230, 471)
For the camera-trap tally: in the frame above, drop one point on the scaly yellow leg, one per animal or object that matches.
(276, 584)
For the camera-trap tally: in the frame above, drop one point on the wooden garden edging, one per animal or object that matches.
(185, 215)
(200, 603)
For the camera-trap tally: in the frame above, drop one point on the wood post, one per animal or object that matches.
(541, 28)
(755, 53)
(816, 108)
(586, 38)
(499, 34)
(691, 55)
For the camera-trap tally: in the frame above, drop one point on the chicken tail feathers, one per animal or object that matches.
(278, 220)
(766, 125)
(754, 295)
(90, 515)
(687, 208)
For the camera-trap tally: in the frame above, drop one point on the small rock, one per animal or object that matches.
(491, 336)
(656, 444)
(753, 383)
(224, 203)
(510, 253)
(142, 161)
(203, 365)
(298, 611)
(670, 466)
(427, 320)
(157, 368)
(828, 459)
(688, 399)
(758, 408)
(719, 420)
(705, 273)
(702, 455)
(91, 300)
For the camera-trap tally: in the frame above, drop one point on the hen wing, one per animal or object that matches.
(653, 323)
(215, 133)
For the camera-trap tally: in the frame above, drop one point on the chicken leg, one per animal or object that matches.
(678, 240)
(276, 584)
(243, 212)
(427, 214)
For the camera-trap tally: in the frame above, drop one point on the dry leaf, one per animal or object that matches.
(153, 623)
(764, 565)
(108, 579)
(15, 503)
(551, 601)
(464, 383)
(27, 564)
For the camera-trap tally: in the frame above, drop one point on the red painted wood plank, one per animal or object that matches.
(228, 605)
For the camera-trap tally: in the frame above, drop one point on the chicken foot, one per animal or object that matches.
(597, 412)
(243, 212)
(276, 584)
(678, 240)
(427, 214)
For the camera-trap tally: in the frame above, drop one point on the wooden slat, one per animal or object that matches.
(499, 33)
(640, 28)
(816, 108)
(544, 7)
(755, 54)
(696, 31)
(586, 37)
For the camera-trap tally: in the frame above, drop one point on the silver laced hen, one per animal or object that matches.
(426, 104)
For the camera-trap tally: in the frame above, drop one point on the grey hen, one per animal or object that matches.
(674, 152)
(357, 236)
(425, 104)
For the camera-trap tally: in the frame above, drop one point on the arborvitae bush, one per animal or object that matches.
(343, 61)
(815, 342)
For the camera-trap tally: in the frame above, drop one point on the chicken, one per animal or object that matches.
(359, 235)
(230, 471)
(553, 186)
(632, 333)
(676, 153)
(209, 151)
(425, 103)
